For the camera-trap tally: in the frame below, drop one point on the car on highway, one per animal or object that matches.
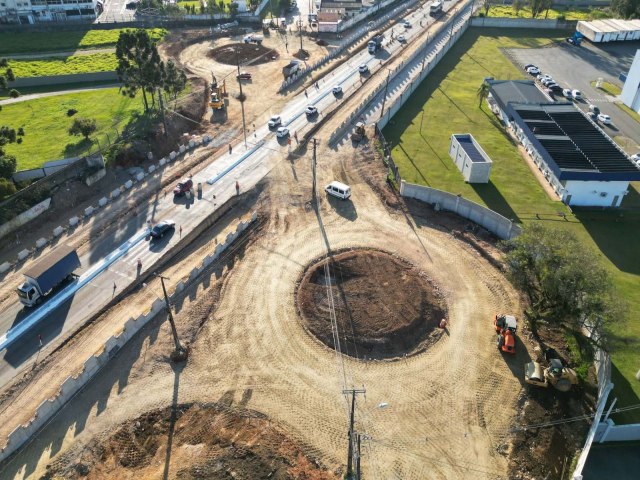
(282, 132)
(183, 187)
(274, 121)
(577, 94)
(337, 90)
(605, 119)
(533, 71)
(161, 228)
(406, 24)
(311, 110)
(401, 39)
(243, 76)
(363, 68)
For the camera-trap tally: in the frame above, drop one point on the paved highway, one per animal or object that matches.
(246, 165)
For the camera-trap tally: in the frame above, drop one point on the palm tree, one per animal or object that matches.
(483, 93)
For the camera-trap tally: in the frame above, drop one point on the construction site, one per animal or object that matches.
(330, 339)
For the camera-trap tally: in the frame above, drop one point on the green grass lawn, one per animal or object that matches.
(633, 114)
(608, 88)
(42, 42)
(507, 11)
(56, 88)
(448, 99)
(45, 122)
(95, 62)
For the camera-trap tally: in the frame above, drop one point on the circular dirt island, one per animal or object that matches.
(385, 306)
(247, 52)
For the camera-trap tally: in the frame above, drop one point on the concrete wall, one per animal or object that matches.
(492, 221)
(72, 385)
(64, 79)
(24, 217)
(495, 22)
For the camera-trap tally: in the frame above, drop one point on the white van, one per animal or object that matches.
(339, 190)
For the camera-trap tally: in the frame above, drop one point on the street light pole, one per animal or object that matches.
(244, 127)
(180, 353)
(384, 100)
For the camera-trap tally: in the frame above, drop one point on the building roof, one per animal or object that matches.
(331, 16)
(466, 143)
(521, 91)
(355, 5)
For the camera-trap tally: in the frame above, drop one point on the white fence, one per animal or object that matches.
(494, 222)
(495, 22)
(72, 385)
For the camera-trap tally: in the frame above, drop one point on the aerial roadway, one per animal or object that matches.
(113, 262)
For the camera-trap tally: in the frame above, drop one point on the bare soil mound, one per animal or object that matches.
(247, 53)
(385, 306)
(205, 442)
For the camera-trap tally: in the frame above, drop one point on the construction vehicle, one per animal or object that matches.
(576, 39)
(506, 326)
(42, 278)
(359, 132)
(375, 43)
(291, 68)
(557, 375)
(218, 92)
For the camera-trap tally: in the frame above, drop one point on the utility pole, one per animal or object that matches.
(313, 170)
(358, 456)
(244, 128)
(353, 392)
(384, 100)
(180, 353)
(300, 29)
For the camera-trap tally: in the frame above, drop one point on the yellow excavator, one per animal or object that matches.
(218, 92)
(557, 375)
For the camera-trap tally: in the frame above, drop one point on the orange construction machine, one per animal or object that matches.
(506, 326)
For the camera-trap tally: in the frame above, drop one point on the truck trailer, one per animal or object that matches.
(375, 43)
(435, 9)
(47, 274)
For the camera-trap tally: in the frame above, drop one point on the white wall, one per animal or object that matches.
(630, 95)
(594, 194)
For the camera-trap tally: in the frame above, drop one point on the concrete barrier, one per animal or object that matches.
(182, 148)
(88, 211)
(152, 168)
(140, 176)
(191, 144)
(41, 242)
(162, 162)
(22, 254)
(73, 221)
(58, 231)
(172, 156)
(4, 267)
(103, 201)
(128, 184)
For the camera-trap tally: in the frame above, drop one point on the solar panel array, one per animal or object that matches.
(572, 140)
(471, 150)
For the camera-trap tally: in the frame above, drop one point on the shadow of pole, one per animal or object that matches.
(177, 370)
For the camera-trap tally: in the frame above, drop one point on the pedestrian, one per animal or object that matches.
(295, 135)
(114, 289)
(306, 94)
(237, 188)
(229, 149)
(149, 224)
(139, 264)
(40, 341)
(165, 194)
(180, 231)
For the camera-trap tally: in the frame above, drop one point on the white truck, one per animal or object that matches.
(435, 9)
(47, 274)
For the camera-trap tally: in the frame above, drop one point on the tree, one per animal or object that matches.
(174, 80)
(7, 188)
(83, 126)
(564, 281)
(517, 6)
(13, 93)
(486, 5)
(139, 65)
(233, 8)
(6, 74)
(220, 5)
(8, 165)
(626, 8)
(483, 93)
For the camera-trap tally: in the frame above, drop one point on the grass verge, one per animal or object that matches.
(608, 88)
(507, 11)
(95, 62)
(45, 122)
(56, 88)
(447, 99)
(22, 42)
(631, 113)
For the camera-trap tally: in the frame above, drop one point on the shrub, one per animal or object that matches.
(21, 132)
(13, 93)
(71, 112)
(7, 188)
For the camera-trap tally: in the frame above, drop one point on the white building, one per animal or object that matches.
(582, 164)
(36, 11)
(630, 95)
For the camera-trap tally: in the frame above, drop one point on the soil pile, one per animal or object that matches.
(246, 53)
(385, 306)
(205, 442)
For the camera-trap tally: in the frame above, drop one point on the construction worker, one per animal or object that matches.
(139, 264)
(229, 149)
(237, 188)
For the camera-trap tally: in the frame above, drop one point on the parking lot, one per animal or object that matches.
(576, 67)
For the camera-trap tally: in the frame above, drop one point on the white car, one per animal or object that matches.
(275, 121)
(577, 94)
(337, 90)
(282, 132)
(311, 110)
(567, 93)
(533, 71)
(605, 119)
(547, 81)
(363, 68)
(406, 24)
(636, 159)
(401, 39)
(542, 76)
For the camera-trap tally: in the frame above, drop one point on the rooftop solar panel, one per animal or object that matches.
(470, 149)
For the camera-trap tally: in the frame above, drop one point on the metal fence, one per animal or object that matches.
(387, 157)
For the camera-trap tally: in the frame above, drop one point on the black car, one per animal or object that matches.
(131, 5)
(556, 88)
(161, 228)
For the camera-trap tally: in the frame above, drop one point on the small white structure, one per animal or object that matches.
(470, 158)
(610, 30)
(630, 95)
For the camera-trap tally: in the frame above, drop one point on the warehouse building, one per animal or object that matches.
(36, 11)
(582, 164)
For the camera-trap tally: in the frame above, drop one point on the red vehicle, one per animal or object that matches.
(506, 326)
(183, 187)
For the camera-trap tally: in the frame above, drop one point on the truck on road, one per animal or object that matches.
(291, 68)
(375, 43)
(435, 9)
(47, 274)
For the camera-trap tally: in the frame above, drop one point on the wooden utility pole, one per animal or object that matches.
(180, 353)
(358, 456)
(244, 127)
(353, 392)
(313, 171)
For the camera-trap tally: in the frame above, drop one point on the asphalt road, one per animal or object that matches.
(576, 67)
(244, 164)
(115, 11)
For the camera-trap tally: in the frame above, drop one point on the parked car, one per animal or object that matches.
(363, 68)
(567, 93)
(528, 66)
(338, 189)
(183, 187)
(595, 109)
(401, 39)
(552, 84)
(577, 94)
(543, 76)
(533, 71)
(555, 88)
(161, 228)
(311, 110)
(282, 132)
(636, 159)
(337, 90)
(605, 119)
(274, 121)
(592, 116)
(547, 81)
(243, 76)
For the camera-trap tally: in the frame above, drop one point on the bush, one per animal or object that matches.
(21, 132)
(8, 165)
(71, 112)
(7, 188)
(83, 126)
(13, 93)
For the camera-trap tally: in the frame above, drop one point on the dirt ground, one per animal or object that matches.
(385, 307)
(249, 53)
(197, 442)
